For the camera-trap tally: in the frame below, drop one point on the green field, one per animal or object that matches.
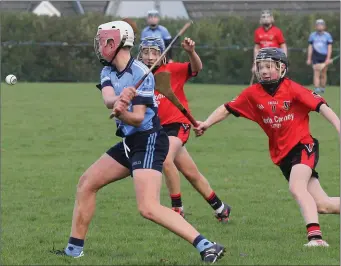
(52, 132)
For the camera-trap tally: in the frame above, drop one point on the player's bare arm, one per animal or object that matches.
(309, 54)
(329, 54)
(284, 47)
(330, 115)
(135, 117)
(256, 49)
(217, 116)
(123, 100)
(109, 96)
(189, 46)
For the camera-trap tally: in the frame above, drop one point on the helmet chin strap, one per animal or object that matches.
(272, 87)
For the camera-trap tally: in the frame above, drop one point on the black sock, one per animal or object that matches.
(214, 201)
(201, 243)
(76, 241)
(176, 200)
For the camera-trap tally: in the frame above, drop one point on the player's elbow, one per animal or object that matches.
(136, 123)
(109, 101)
(108, 104)
(137, 120)
(199, 67)
(196, 68)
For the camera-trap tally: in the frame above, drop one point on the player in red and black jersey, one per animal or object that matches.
(281, 106)
(268, 35)
(178, 127)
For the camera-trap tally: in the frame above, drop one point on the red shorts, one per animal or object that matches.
(307, 154)
(179, 130)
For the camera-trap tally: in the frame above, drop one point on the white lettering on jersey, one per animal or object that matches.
(276, 121)
(272, 102)
(159, 97)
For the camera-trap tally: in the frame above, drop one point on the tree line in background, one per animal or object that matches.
(59, 49)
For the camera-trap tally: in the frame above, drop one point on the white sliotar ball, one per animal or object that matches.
(11, 79)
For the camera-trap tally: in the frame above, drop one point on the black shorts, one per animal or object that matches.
(180, 130)
(143, 151)
(307, 154)
(318, 58)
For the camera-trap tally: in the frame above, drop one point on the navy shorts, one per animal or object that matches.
(143, 150)
(318, 58)
(307, 154)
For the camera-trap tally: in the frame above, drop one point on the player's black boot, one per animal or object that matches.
(224, 215)
(61, 252)
(213, 253)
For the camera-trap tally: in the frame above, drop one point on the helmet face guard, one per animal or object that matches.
(153, 18)
(266, 18)
(147, 45)
(271, 64)
(153, 13)
(105, 53)
(271, 59)
(320, 25)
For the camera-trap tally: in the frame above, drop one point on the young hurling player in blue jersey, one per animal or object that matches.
(319, 54)
(155, 30)
(140, 154)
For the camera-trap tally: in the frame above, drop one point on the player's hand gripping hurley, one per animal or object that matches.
(181, 32)
(331, 61)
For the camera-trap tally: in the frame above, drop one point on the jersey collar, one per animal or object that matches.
(277, 89)
(153, 28)
(126, 69)
(268, 28)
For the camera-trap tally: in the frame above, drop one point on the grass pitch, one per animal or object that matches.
(52, 132)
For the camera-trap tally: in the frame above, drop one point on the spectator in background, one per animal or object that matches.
(158, 31)
(267, 35)
(319, 53)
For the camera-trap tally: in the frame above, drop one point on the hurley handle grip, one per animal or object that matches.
(190, 117)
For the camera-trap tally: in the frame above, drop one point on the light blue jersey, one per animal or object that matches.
(159, 32)
(320, 42)
(133, 72)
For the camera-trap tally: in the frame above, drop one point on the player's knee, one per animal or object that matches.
(169, 166)
(84, 185)
(147, 211)
(295, 191)
(323, 207)
(322, 210)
